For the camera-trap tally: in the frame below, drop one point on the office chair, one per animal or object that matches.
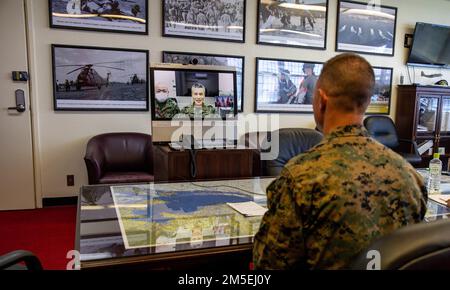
(11, 261)
(292, 142)
(382, 129)
(119, 158)
(424, 246)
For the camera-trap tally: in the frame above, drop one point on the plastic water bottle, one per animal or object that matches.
(434, 180)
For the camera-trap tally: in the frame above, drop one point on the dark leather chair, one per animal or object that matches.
(382, 129)
(292, 142)
(424, 246)
(11, 261)
(119, 158)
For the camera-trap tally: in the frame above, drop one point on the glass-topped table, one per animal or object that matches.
(146, 224)
(184, 225)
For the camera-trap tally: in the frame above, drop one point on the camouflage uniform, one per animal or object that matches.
(167, 109)
(206, 110)
(331, 202)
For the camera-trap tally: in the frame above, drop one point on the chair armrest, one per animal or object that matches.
(13, 258)
(94, 168)
(411, 142)
(95, 161)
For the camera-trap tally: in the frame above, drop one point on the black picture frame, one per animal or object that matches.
(275, 107)
(53, 21)
(166, 54)
(384, 107)
(95, 81)
(298, 32)
(350, 45)
(205, 37)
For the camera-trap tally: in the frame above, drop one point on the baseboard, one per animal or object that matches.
(58, 201)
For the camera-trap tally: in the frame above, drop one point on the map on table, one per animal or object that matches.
(177, 216)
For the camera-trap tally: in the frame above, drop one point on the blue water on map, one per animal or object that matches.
(188, 202)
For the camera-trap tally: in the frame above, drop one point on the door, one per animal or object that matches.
(16, 157)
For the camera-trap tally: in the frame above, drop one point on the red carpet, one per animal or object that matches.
(49, 233)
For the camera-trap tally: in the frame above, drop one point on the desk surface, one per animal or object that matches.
(152, 222)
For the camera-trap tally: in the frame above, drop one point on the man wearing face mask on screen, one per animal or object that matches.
(166, 108)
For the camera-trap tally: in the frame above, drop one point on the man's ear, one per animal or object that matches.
(323, 100)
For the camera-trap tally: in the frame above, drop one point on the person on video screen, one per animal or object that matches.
(198, 107)
(166, 108)
(306, 90)
(286, 88)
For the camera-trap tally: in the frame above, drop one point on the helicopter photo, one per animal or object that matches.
(100, 78)
(88, 76)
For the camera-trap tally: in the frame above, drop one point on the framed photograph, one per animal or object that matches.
(211, 20)
(125, 16)
(212, 59)
(289, 23)
(99, 79)
(285, 86)
(380, 103)
(365, 28)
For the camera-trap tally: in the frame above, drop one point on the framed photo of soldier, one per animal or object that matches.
(293, 23)
(285, 86)
(380, 103)
(212, 59)
(366, 28)
(122, 16)
(221, 20)
(99, 79)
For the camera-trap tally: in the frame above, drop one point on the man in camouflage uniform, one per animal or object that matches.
(198, 109)
(165, 107)
(331, 202)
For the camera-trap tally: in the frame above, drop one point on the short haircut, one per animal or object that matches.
(350, 79)
(198, 86)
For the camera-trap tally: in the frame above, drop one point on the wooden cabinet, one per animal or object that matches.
(171, 165)
(423, 115)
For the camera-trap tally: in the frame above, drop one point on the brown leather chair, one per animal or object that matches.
(119, 158)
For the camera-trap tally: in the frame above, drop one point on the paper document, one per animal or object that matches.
(249, 208)
(440, 198)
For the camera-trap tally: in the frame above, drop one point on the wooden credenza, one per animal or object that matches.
(175, 165)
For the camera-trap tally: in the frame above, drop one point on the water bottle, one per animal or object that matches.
(434, 180)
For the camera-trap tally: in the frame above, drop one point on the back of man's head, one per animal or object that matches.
(348, 80)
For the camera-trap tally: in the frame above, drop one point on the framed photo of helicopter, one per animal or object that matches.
(99, 79)
(125, 16)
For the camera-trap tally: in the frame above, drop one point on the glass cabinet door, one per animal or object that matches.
(445, 116)
(427, 115)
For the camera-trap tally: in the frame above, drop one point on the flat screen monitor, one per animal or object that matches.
(431, 45)
(191, 94)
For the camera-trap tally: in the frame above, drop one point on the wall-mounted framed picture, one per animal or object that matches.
(291, 23)
(122, 16)
(212, 59)
(99, 79)
(380, 103)
(222, 20)
(285, 86)
(365, 28)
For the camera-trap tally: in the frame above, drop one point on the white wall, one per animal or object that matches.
(60, 137)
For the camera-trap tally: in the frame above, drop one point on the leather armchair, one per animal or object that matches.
(292, 142)
(382, 129)
(119, 158)
(424, 246)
